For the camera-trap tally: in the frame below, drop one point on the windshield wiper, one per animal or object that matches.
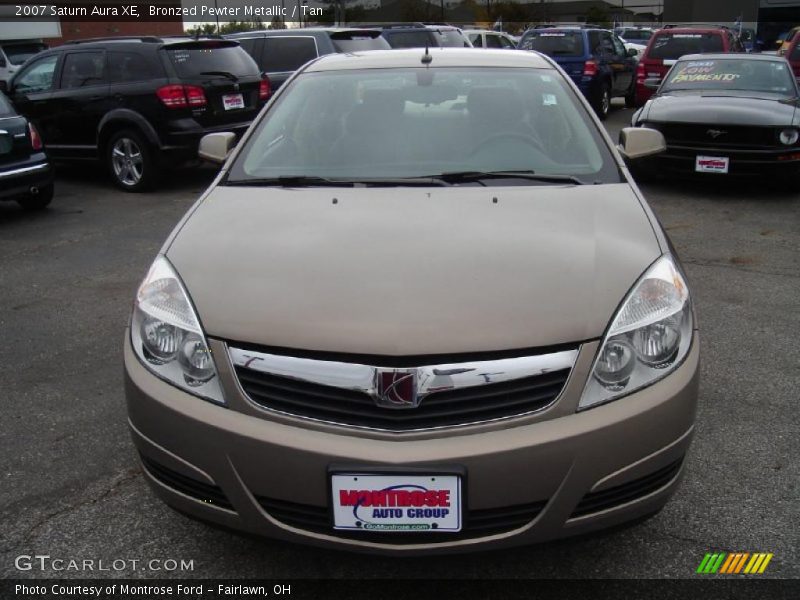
(313, 181)
(467, 176)
(226, 74)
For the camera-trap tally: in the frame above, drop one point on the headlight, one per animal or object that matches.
(649, 336)
(167, 337)
(788, 136)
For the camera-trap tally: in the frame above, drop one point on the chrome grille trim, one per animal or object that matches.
(432, 379)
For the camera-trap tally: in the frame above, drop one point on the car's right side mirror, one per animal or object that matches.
(216, 147)
(652, 83)
(638, 142)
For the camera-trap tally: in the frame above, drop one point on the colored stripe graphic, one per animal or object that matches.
(734, 563)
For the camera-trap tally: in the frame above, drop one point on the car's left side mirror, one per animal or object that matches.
(638, 142)
(216, 147)
(632, 52)
(652, 83)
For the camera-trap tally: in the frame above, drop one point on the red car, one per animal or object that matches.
(667, 45)
(793, 54)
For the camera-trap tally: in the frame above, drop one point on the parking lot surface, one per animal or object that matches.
(72, 488)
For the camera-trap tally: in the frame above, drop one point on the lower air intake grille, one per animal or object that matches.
(627, 492)
(198, 490)
(477, 523)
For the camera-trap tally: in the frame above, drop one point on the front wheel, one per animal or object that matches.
(130, 161)
(602, 103)
(39, 200)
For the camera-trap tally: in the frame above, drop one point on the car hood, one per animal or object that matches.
(716, 108)
(412, 271)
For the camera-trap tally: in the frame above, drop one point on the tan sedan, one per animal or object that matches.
(423, 308)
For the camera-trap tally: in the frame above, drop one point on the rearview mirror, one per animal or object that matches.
(638, 142)
(216, 147)
(652, 83)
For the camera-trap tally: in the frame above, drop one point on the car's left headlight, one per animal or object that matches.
(167, 337)
(788, 137)
(649, 336)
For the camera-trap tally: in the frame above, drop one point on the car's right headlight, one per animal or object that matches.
(167, 337)
(649, 336)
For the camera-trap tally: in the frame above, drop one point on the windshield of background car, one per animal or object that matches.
(671, 46)
(731, 74)
(357, 41)
(418, 122)
(6, 110)
(410, 39)
(19, 53)
(554, 43)
(192, 59)
(451, 38)
(636, 35)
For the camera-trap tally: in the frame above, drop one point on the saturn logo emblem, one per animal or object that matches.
(396, 388)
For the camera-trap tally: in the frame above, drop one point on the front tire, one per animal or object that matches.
(602, 103)
(130, 161)
(37, 201)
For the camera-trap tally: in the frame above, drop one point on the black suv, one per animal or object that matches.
(138, 104)
(280, 52)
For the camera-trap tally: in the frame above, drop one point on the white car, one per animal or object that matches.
(485, 38)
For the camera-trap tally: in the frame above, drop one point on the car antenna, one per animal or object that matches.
(427, 58)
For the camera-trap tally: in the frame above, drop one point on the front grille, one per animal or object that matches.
(476, 523)
(198, 490)
(627, 492)
(734, 137)
(439, 409)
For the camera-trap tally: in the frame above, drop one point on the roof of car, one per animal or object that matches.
(736, 56)
(441, 57)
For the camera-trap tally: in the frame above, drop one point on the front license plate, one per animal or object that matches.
(232, 101)
(711, 164)
(396, 502)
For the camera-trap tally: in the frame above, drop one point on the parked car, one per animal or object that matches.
(448, 36)
(312, 358)
(793, 55)
(280, 52)
(13, 53)
(669, 44)
(638, 35)
(25, 173)
(138, 105)
(485, 38)
(724, 114)
(785, 40)
(595, 59)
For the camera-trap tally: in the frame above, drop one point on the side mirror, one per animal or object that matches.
(216, 147)
(638, 142)
(652, 83)
(632, 52)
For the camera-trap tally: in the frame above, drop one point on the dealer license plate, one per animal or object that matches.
(396, 502)
(711, 164)
(232, 101)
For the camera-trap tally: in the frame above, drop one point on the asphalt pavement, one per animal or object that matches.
(72, 489)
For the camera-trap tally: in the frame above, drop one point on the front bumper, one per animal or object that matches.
(576, 472)
(680, 159)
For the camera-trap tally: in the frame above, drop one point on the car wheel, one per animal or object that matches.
(603, 102)
(130, 161)
(39, 200)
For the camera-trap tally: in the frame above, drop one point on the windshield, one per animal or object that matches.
(191, 59)
(417, 123)
(671, 46)
(19, 53)
(731, 74)
(554, 43)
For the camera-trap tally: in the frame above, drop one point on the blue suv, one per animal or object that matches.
(595, 59)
